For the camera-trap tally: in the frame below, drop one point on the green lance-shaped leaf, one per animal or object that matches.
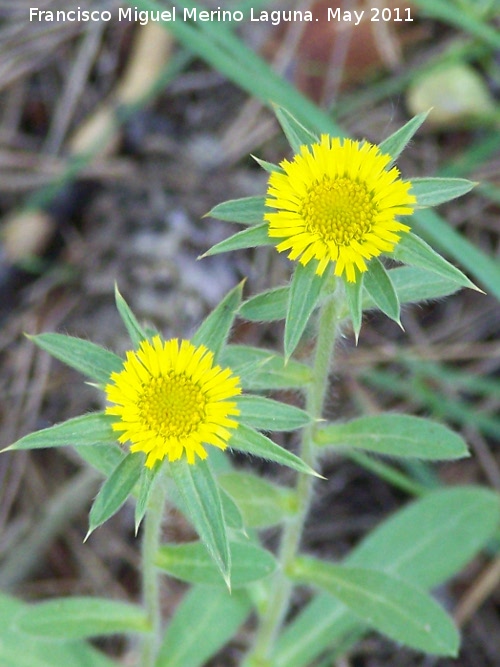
(386, 603)
(86, 430)
(296, 134)
(434, 191)
(303, 298)
(268, 166)
(135, 331)
(148, 479)
(115, 490)
(79, 617)
(378, 284)
(246, 211)
(205, 620)
(252, 237)
(90, 359)
(414, 251)
(201, 499)
(262, 503)
(38, 651)
(261, 369)
(268, 306)
(266, 414)
(444, 237)
(215, 329)
(395, 435)
(413, 285)
(191, 562)
(425, 543)
(245, 439)
(354, 294)
(396, 143)
(232, 514)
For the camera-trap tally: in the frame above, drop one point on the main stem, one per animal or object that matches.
(292, 531)
(150, 576)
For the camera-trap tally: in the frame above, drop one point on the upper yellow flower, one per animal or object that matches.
(337, 202)
(171, 399)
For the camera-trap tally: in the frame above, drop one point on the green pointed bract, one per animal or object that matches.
(191, 562)
(260, 369)
(378, 284)
(266, 414)
(115, 490)
(303, 298)
(412, 250)
(246, 439)
(216, 327)
(268, 306)
(135, 331)
(354, 295)
(296, 134)
(232, 514)
(87, 430)
(435, 191)
(147, 481)
(268, 166)
(245, 211)
(397, 142)
(413, 285)
(484, 267)
(202, 501)
(88, 358)
(252, 237)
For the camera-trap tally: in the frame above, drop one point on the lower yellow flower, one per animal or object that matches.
(337, 202)
(171, 400)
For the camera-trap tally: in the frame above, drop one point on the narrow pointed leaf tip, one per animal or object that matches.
(245, 211)
(191, 562)
(115, 490)
(202, 500)
(397, 142)
(135, 331)
(414, 251)
(85, 431)
(296, 134)
(92, 360)
(245, 439)
(303, 297)
(215, 329)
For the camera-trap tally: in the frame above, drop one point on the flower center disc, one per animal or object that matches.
(338, 210)
(172, 405)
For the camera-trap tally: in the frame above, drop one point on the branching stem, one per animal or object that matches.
(292, 532)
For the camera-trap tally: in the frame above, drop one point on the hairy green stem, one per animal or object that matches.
(150, 575)
(292, 532)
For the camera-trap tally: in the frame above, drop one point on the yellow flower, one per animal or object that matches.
(171, 399)
(337, 202)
